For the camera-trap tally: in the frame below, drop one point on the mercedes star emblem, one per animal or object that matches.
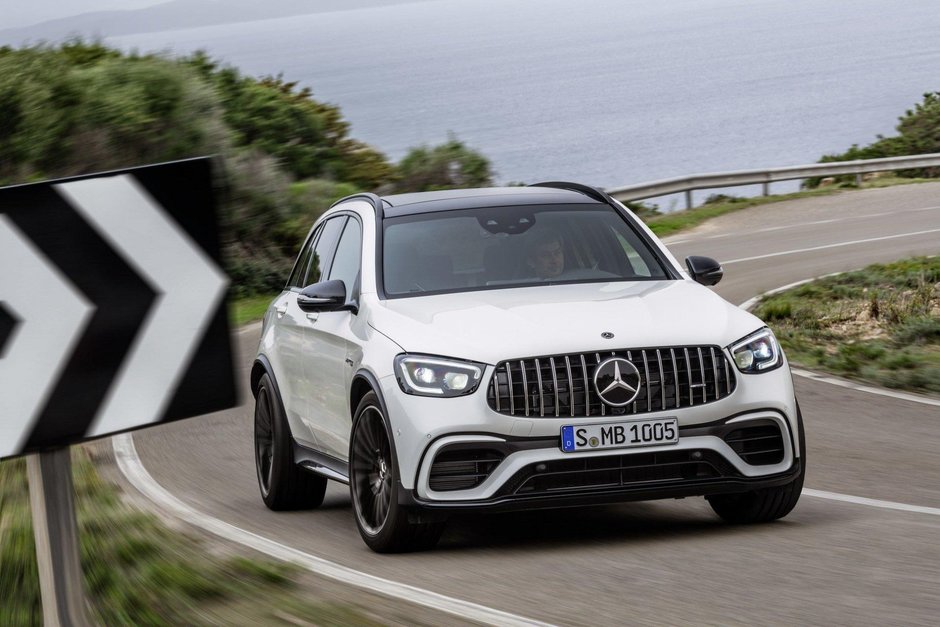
(617, 381)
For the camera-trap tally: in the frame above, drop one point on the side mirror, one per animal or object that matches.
(323, 296)
(704, 270)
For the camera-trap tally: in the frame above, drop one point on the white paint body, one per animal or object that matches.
(488, 327)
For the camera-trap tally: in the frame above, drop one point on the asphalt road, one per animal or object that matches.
(670, 562)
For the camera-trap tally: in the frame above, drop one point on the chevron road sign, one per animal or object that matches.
(112, 318)
(112, 305)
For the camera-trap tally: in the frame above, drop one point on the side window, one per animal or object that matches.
(323, 251)
(347, 260)
(303, 260)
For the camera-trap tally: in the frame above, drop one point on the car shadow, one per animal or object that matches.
(640, 522)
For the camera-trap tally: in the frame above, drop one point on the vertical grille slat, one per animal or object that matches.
(512, 397)
(551, 361)
(497, 386)
(587, 388)
(662, 381)
(715, 371)
(567, 393)
(525, 387)
(570, 384)
(675, 375)
(701, 367)
(538, 378)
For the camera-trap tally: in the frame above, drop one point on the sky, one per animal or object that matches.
(18, 13)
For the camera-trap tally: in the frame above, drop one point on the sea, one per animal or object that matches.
(605, 92)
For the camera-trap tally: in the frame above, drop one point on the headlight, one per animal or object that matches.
(758, 352)
(435, 376)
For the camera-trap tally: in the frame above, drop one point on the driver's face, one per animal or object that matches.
(548, 260)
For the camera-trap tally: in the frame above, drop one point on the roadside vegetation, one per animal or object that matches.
(82, 107)
(918, 133)
(139, 572)
(880, 324)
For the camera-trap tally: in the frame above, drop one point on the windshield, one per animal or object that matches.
(500, 247)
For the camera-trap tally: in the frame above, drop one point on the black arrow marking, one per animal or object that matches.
(121, 299)
(8, 323)
(208, 384)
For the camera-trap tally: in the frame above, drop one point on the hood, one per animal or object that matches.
(492, 325)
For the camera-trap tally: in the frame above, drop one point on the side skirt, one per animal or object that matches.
(321, 463)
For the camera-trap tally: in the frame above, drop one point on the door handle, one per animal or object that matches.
(313, 315)
(281, 309)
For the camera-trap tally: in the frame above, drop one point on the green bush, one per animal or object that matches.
(450, 165)
(918, 133)
(775, 309)
(917, 330)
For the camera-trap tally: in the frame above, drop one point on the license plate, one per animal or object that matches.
(578, 438)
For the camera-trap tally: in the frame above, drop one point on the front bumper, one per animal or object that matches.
(585, 497)
(422, 427)
(740, 453)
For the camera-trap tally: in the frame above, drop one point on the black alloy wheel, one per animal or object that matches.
(264, 440)
(371, 470)
(284, 485)
(385, 526)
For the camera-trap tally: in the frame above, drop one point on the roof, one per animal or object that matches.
(445, 200)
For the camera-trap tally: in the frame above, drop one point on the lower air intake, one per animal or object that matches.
(462, 469)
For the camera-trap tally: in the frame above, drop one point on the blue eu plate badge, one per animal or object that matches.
(567, 439)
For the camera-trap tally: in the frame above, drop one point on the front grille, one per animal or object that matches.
(757, 445)
(462, 469)
(617, 471)
(562, 385)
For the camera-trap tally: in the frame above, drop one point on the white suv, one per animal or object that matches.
(513, 348)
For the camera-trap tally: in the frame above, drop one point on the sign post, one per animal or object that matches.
(52, 501)
(113, 318)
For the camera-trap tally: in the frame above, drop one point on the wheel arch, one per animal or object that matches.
(260, 367)
(364, 382)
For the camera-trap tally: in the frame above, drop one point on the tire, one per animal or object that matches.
(373, 482)
(766, 504)
(284, 485)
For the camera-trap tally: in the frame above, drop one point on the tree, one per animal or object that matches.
(81, 108)
(450, 165)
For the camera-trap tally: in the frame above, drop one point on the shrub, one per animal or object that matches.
(450, 165)
(918, 133)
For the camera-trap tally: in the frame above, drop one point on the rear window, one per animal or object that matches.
(501, 247)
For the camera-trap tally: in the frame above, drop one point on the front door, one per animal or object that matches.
(331, 342)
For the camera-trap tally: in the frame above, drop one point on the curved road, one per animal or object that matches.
(829, 562)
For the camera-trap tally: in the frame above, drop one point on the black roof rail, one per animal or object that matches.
(377, 203)
(587, 190)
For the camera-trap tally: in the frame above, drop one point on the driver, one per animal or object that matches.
(545, 255)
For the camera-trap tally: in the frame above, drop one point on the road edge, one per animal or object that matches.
(130, 465)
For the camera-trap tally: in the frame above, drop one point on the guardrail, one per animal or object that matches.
(688, 184)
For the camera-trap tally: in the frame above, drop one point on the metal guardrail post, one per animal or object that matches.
(688, 199)
(52, 500)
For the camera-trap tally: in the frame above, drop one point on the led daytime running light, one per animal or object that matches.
(434, 376)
